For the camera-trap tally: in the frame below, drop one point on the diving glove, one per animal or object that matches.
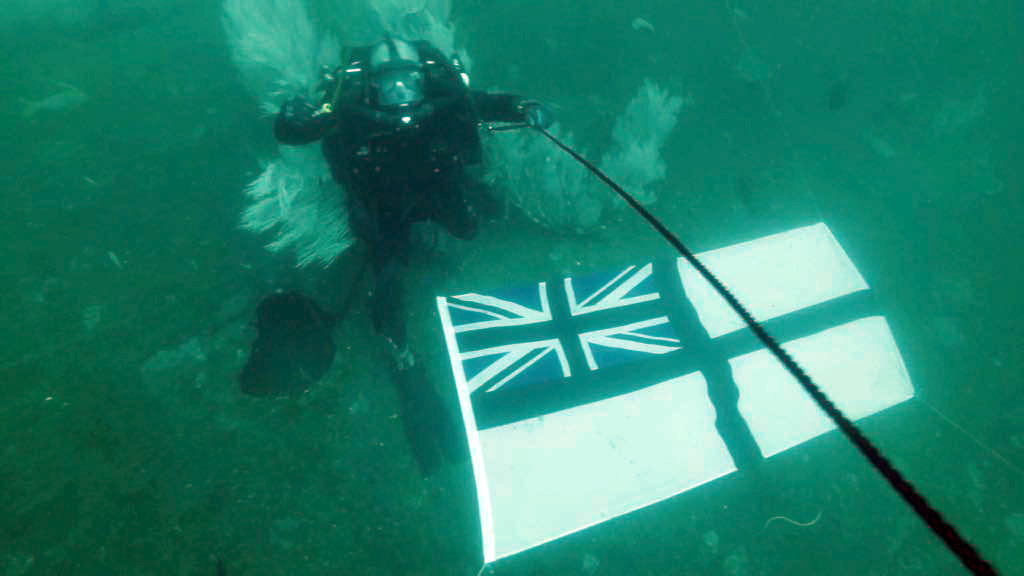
(297, 110)
(537, 114)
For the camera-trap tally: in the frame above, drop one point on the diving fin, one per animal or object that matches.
(294, 346)
(433, 434)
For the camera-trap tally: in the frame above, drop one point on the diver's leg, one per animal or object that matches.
(386, 303)
(386, 307)
(433, 432)
(360, 219)
(480, 195)
(451, 209)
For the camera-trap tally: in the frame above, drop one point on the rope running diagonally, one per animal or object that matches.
(968, 556)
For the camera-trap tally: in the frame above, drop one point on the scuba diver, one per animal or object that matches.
(398, 125)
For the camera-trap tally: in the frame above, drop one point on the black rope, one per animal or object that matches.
(967, 554)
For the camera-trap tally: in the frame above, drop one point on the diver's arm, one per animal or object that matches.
(299, 122)
(499, 107)
(502, 107)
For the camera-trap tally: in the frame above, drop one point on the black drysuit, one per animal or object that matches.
(397, 173)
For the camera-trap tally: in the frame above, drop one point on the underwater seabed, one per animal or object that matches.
(168, 468)
(325, 481)
(131, 450)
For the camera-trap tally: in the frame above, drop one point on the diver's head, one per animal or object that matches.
(396, 75)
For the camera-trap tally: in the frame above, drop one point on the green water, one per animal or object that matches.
(119, 224)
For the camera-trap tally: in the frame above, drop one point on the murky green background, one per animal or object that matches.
(121, 250)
